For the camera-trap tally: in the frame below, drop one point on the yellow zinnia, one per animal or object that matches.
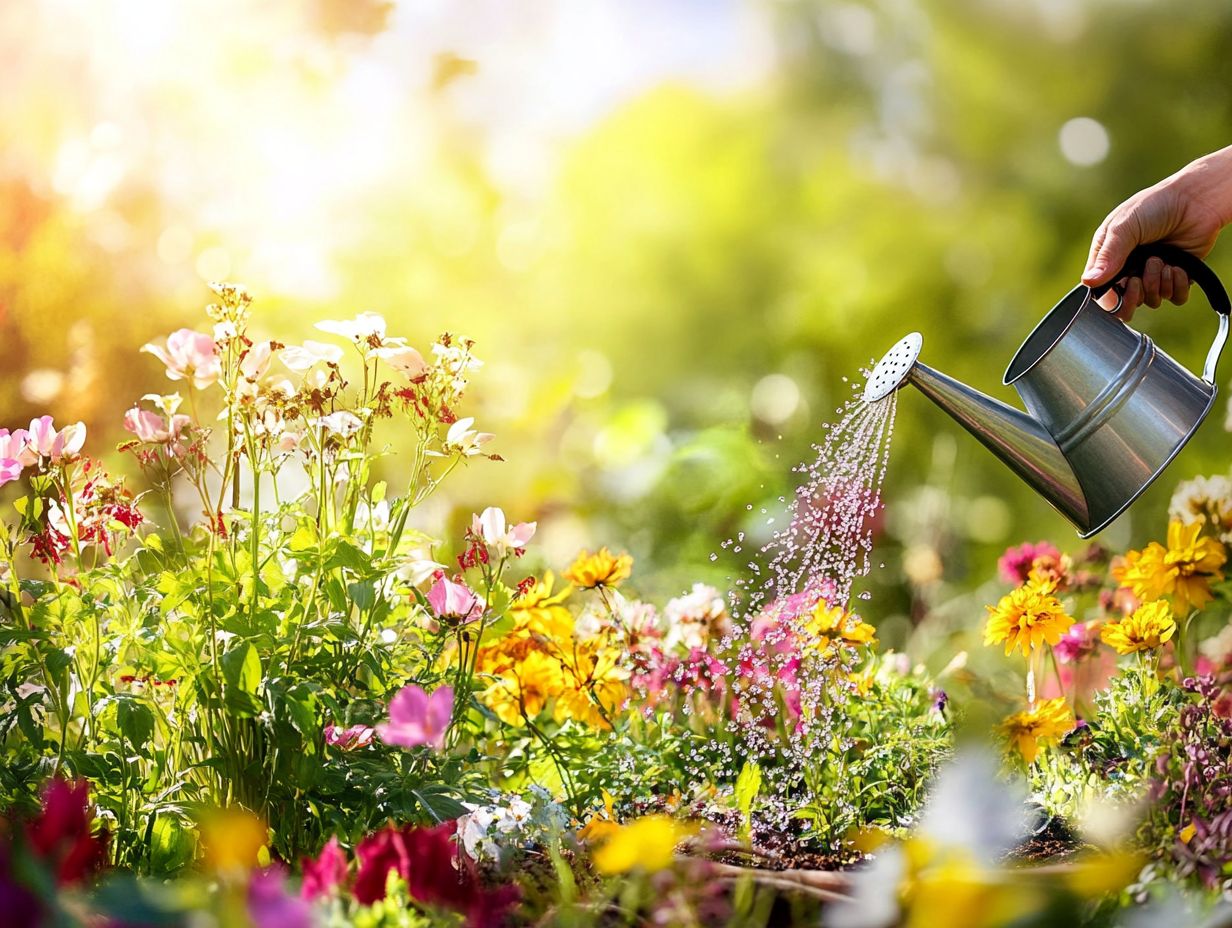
(1150, 626)
(827, 626)
(603, 568)
(1026, 618)
(1182, 571)
(1048, 721)
(648, 843)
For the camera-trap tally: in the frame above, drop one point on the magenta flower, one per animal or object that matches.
(1078, 643)
(348, 739)
(416, 718)
(1015, 564)
(271, 906)
(327, 872)
(455, 601)
(188, 355)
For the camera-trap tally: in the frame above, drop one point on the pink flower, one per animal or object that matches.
(1016, 563)
(357, 736)
(454, 601)
(323, 875)
(490, 525)
(15, 446)
(188, 355)
(271, 906)
(152, 428)
(416, 718)
(9, 470)
(1078, 643)
(403, 358)
(45, 441)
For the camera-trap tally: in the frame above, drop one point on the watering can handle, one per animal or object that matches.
(1198, 272)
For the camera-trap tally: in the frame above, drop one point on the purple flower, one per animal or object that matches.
(1078, 643)
(416, 718)
(271, 906)
(348, 739)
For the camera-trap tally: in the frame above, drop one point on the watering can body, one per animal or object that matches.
(1106, 409)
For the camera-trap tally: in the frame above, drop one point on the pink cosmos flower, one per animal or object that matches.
(348, 739)
(416, 718)
(188, 355)
(323, 875)
(490, 525)
(1015, 563)
(44, 441)
(455, 601)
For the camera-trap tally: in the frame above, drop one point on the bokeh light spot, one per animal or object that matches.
(775, 398)
(1084, 141)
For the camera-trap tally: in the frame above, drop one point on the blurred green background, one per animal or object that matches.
(673, 228)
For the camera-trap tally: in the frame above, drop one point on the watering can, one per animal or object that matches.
(1107, 410)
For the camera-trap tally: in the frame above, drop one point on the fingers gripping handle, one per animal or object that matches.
(1198, 272)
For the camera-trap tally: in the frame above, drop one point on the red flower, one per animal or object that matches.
(435, 873)
(326, 872)
(61, 837)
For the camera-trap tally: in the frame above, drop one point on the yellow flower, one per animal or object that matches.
(595, 686)
(1150, 626)
(1048, 721)
(828, 626)
(233, 840)
(648, 843)
(522, 691)
(1026, 618)
(540, 611)
(1183, 570)
(603, 568)
(599, 827)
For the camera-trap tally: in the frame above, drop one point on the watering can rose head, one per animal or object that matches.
(1107, 410)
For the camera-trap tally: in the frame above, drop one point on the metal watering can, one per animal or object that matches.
(1107, 410)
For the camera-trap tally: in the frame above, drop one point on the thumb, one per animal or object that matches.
(1109, 249)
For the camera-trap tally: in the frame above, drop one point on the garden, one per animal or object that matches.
(557, 587)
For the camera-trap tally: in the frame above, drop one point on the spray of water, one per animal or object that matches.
(790, 684)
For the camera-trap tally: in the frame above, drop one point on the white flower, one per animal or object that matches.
(401, 357)
(696, 617)
(1207, 500)
(166, 404)
(374, 517)
(360, 329)
(591, 622)
(341, 423)
(300, 358)
(462, 439)
(490, 525)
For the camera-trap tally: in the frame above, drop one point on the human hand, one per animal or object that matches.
(1187, 209)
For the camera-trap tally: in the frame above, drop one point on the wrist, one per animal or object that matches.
(1208, 182)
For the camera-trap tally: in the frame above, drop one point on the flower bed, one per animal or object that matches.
(254, 690)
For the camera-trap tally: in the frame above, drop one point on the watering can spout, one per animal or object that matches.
(1015, 437)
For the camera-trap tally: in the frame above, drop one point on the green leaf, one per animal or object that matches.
(438, 803)
(241, 668)
(347, 555)
(172, 843)
(136, 722)
(748, 785)
(363, 594)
